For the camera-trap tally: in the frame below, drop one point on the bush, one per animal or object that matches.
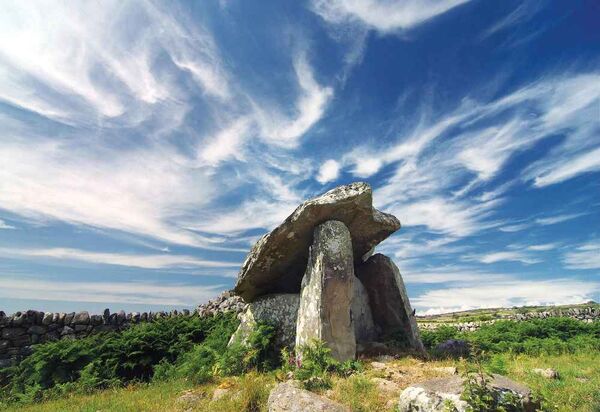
(315, 365)
(534, 337)
(110, 359)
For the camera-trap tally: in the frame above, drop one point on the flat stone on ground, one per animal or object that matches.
(287, 397)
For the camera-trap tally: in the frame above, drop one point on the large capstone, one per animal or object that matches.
(279, 310)
(388, 299)
(278, 260)
(327, 292)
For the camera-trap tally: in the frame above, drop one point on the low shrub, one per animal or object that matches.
(534, 337)
(111, 359)
(313, 365)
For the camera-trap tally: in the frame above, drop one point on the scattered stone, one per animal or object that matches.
(547, 373)
(378, 365)
(389, 302)
(386, 386)
(220, 393)
(433, 395)
(279, 309)
(189, 398)
(327, 292)
(286, 397)
(277, 262)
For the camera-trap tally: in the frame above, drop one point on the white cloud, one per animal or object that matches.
(228, 143)
(514, 228)
(586, 256)
(329, 171)
(509, 256)
(543, 247)
(506, 294)
(310, 105)
(138, 191)
(164, 261)
(147, 293)
(4, 225)
(383, 15)
(570, 167)
(551, 220)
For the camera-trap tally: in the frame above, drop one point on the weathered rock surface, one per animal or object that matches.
(277, 262)
(388, 299)
(280, 310)
(364, 328)
(432, 395)
(286, 397)
(327, 292)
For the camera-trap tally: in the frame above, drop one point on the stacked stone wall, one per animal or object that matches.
(585, 314)
(20, 331)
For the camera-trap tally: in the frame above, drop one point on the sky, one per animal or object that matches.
(145, 146)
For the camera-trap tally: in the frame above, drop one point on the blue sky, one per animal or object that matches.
(145, 146)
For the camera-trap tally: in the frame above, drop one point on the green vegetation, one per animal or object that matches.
(112, 359)
(150, 366)
(533, 337)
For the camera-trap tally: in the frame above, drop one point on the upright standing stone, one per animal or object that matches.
(327, 292)
(389, 302)
(364, 327)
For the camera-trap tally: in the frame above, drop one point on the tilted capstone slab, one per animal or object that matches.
(390, 307)
(327, 292)
(277, 262)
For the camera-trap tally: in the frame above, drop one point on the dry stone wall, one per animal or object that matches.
(589, 314)
(20, 331)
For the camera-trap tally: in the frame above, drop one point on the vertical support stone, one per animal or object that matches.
(364, 327)
(389, 302)
(327, 292)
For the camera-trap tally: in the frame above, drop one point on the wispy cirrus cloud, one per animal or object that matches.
(4, 225)
(144, 261)
(125, 293)
(586, 256)
(384, 16)
(507, 294)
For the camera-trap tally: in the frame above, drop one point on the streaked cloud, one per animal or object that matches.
(586, 256)
(147, 261)
(384, 16)
(507, 294)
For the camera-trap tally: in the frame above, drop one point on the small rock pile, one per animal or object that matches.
(225, 302)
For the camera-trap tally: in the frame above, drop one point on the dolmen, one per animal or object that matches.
(315, 277)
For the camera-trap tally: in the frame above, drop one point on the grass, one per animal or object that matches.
(578, 388)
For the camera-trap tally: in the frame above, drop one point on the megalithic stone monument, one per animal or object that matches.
(320, 254)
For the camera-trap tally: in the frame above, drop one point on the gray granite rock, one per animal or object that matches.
(327, 292)
(280, 310)
(435, 394)
(389, 302)
(277, 262)
(287, 397)
(364, 327)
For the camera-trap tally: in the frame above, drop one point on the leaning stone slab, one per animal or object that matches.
(389, 302)
(328, 291)
(287, 397)
(277, 261)
(280, 310)
(364, 327)
(434, 395)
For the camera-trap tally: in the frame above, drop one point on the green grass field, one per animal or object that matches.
(578, 388)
